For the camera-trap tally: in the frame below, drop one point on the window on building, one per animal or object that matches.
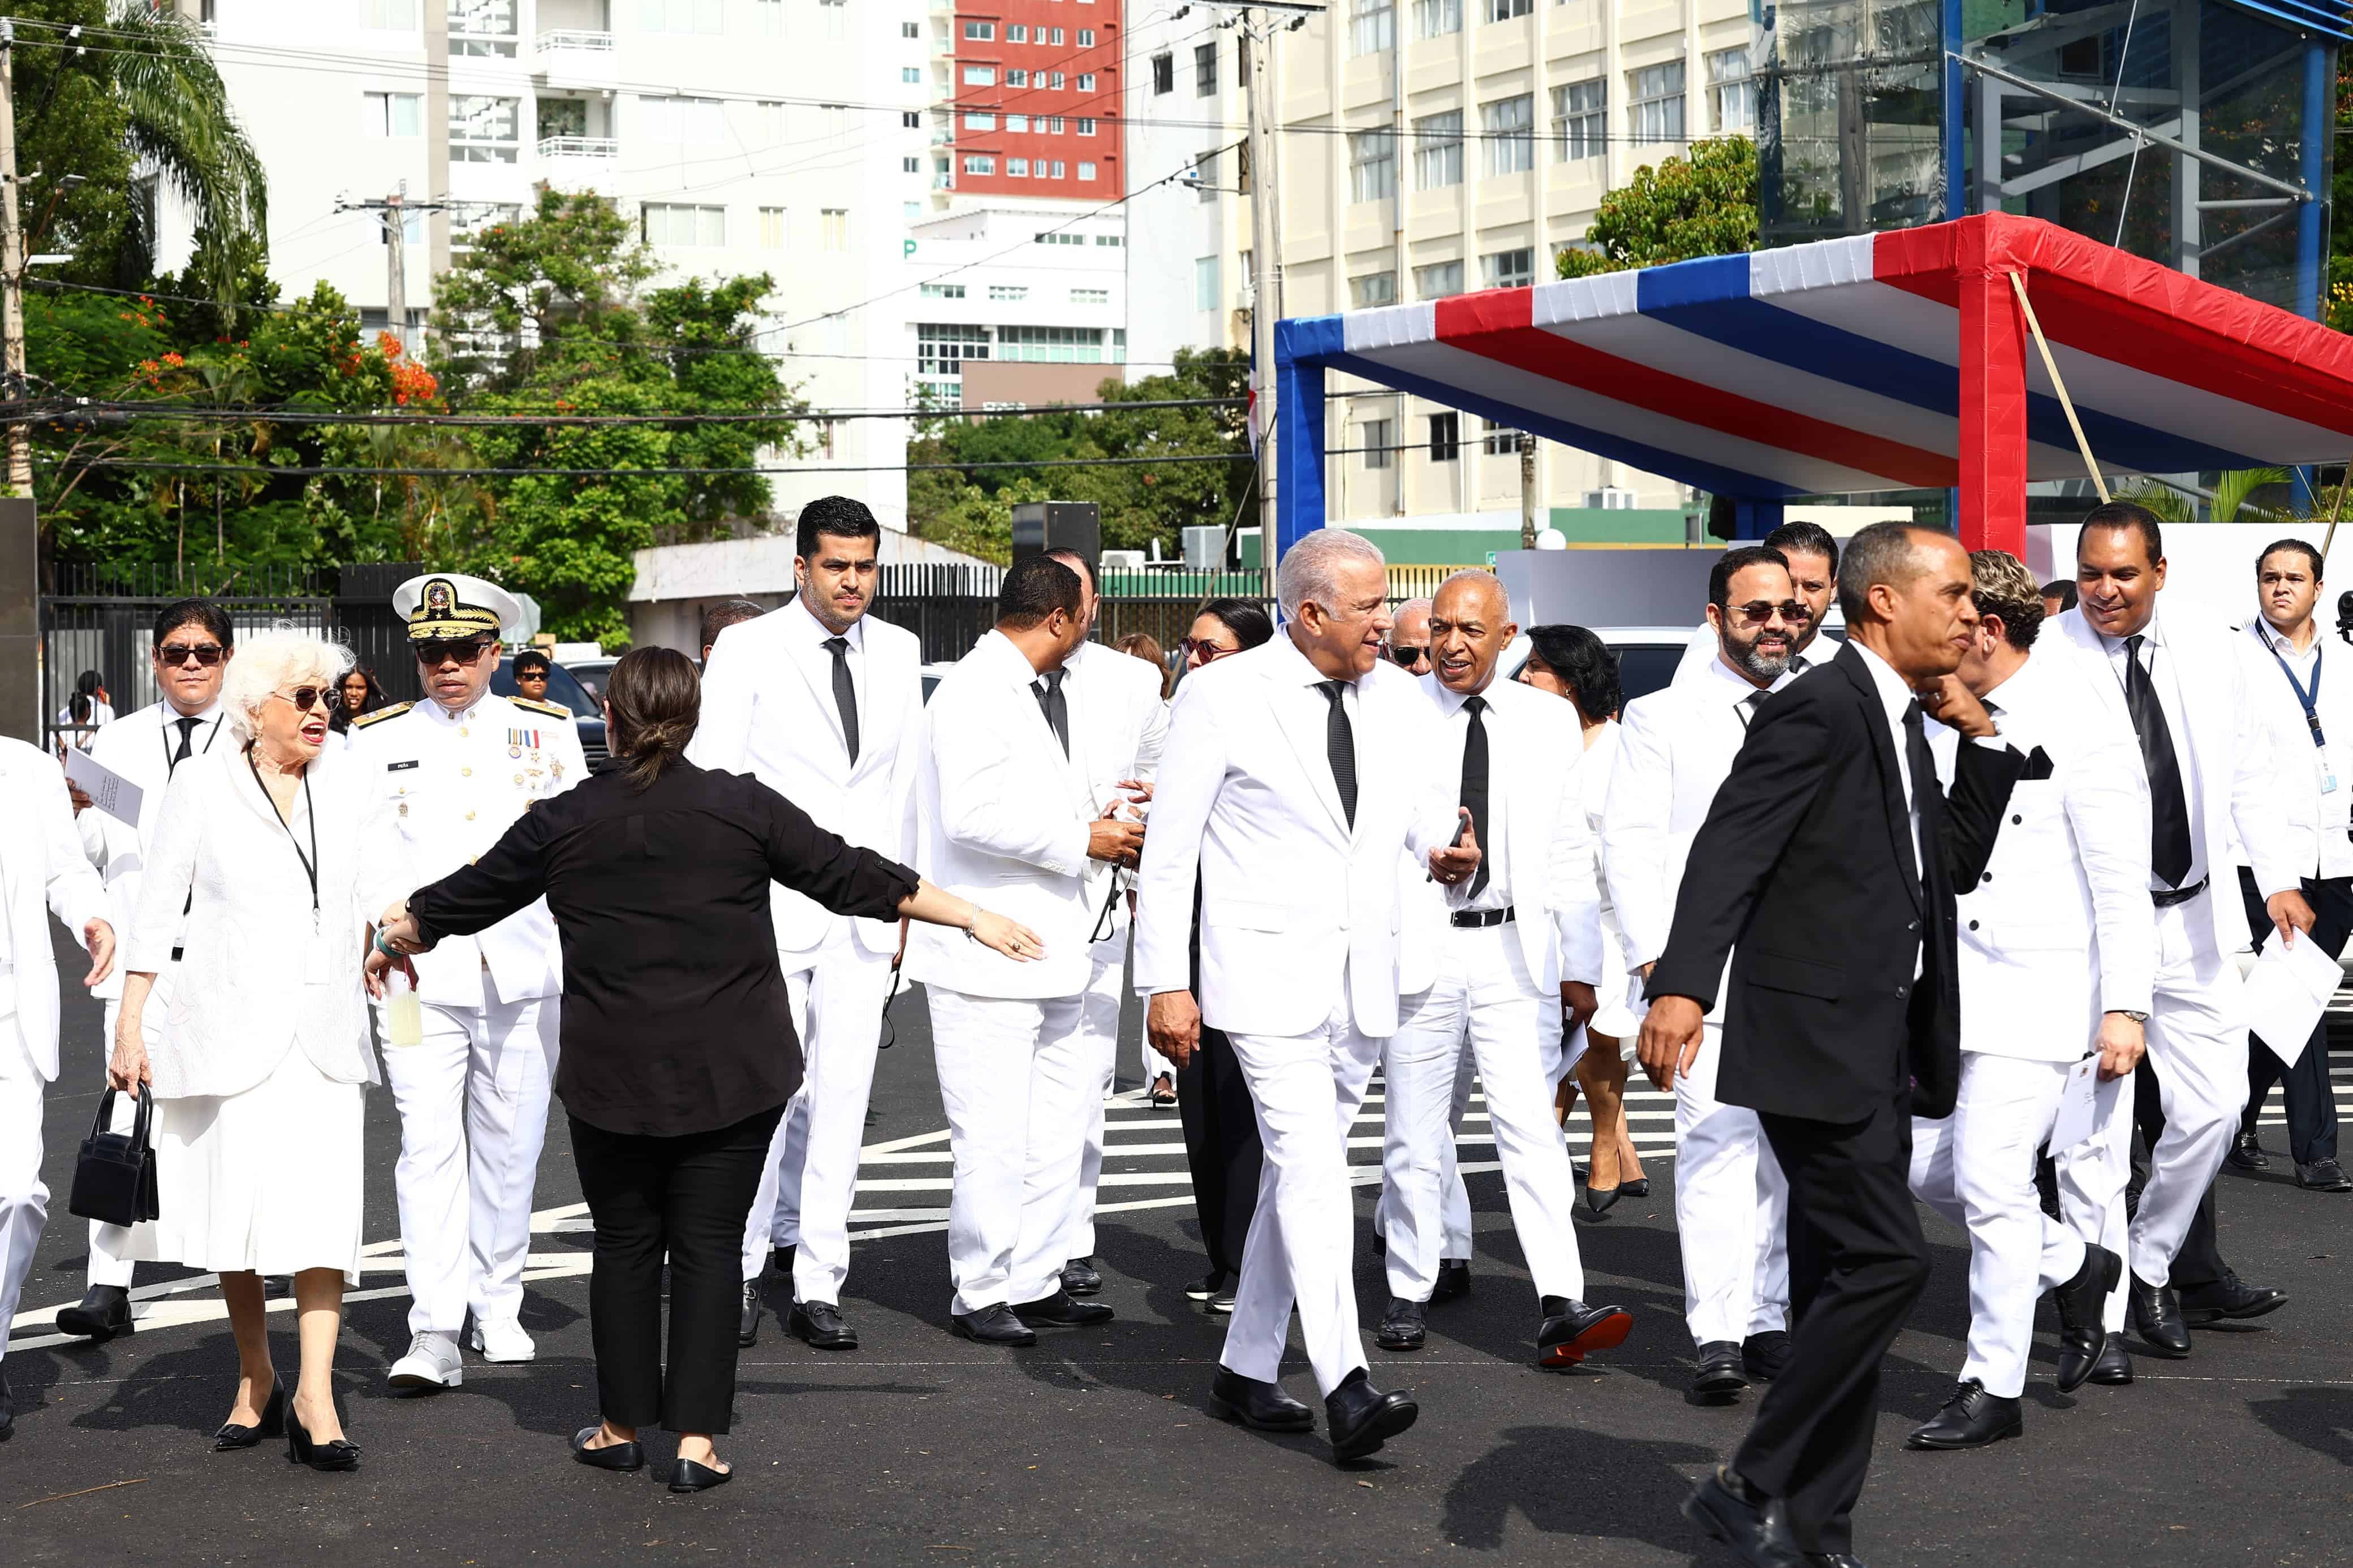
(834, 222)
(1372, 26)
(1731, 91)
(910, 119)
(1061, 169)
(942, 290)
(980, 164)
(700, 122)
(1508, 268)
(1504, 10)
(388, 15)
(772, 229)
(392, 114)
(770, 13)
(911, 30)
(1086, 125)
(1205, 169)
(1656, 112)
(1086, 169)
(1372, 166)
(980, 31)
(1367, 290)
(1017, 122)
(911, 165)
(1113, 240)
(1050, 124)
(1059, 237)
(770, 117)
(980, 75)
(1438, 150)
(483, 27)
(976, 120)
(1500, 440)
(1086, 37)
(1377, 438)
(836, 122)
(1058, 80)
(1014, 34)
(1510, 124)
(912, 74)
(836, 17)
(1057, 36)
(1205, 283)
(942, 347)
(1580, 119)
(682, 15)
(1164, 75)
(483, 130)
(1433, 19)
(1016, 168)
(1089, 295)
(1445, 436)
(1018, 78)
(1086, 81)
(1438, 281)
(1051, 345)
(679, 222)
(1008, 293)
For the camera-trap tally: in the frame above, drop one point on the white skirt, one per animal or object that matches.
(264, 1182)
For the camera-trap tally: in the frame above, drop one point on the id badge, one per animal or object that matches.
(2327, 776)
(315, 962)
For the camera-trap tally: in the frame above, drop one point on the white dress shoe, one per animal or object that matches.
(432, 1362)
(503, 1342)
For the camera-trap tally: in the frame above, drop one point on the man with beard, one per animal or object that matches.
(1675, 747)
(1813, 558)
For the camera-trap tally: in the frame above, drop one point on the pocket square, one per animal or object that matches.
(2038, 766)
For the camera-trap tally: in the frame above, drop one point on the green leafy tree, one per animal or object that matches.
(1675, 210)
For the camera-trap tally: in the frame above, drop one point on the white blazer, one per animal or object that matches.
(1127, 724)
(41, 864)
(139, 746)
(2242, 787)
(2060, 929)
(246, 992)
(1290, 894)
(1003, 819)
(1591, 949)
(768, 710)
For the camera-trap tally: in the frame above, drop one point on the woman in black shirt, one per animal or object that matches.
(678, 1050)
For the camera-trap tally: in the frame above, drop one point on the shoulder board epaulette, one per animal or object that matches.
(532, 704)
(381, 714)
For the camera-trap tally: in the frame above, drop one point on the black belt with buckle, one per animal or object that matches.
(1472, 919)
(2172, 896)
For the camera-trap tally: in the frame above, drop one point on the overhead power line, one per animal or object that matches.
(354, 470)
(169, 411)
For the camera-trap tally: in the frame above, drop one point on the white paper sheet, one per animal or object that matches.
(2287, 991)
(108, 791)
(2079, 1105)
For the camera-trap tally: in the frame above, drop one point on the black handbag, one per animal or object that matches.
(114, 1180)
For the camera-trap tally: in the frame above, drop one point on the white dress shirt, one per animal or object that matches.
(2163, 681)
(2321, 775)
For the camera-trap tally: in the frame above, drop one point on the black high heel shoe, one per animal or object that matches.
(690, 1476)
(1598, 1199)
(625, 1456)
(338, 1455)
(1639, 1187)
(233, 1436)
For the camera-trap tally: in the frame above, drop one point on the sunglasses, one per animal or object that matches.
(1207, 652)
(1759, 613)
(304, 698)
(465, 650)
(1408, 657)
(176, 653)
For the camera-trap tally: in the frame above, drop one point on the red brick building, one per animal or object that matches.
(1037, 94)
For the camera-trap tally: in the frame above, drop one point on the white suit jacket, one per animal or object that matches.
(1290, 894)
(42, 863)
(139, 746)
(1003, 819)
(1126, 725)
(2060, 929)
(2243, 788)
(768, 710)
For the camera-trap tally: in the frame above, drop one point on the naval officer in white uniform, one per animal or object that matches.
(451, 774)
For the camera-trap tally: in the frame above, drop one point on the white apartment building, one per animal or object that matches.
(1186, 116)
(780, 136)
(1017, 305)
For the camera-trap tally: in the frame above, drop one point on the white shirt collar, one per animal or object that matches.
(1299, 669)
(2277, 641)
(1893, 695)
(1738, 688)
(171, 715)
(1451, 701)
(2153, 633)
(855, 637)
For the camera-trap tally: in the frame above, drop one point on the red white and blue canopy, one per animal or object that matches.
(1839, 367)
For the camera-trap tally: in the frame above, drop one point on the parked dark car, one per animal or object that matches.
(565, 691)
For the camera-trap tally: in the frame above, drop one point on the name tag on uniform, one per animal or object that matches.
(2327, 776)
(396, 767)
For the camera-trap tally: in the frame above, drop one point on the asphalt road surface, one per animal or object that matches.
(1096, 1447)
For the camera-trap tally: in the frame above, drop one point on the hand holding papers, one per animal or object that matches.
(2286, 994)
(108, 791)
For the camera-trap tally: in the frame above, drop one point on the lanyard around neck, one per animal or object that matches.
(2309, 699)
(310, 861)
(170, 757)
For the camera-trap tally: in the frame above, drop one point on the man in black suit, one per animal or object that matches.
(1825, 872)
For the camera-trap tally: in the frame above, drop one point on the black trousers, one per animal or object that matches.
(1221, 1148)
(2311, 1097)
(686, 1197)
(1857, 1264)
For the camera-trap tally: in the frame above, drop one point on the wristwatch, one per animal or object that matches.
(2128, 1013)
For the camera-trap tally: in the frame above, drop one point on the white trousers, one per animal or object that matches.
(2198, 1047)
(1014, 1077)
(1482, 1010)
(1306, 1090)
(1455, 1218)
(24, 1197)
(1099, 1039)
(810, 1178)
(1976, 1168)
(472, 1096)
(113, 1248)
(1732, 1210)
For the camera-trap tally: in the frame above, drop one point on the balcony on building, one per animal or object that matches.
(576, 149)
(574, 47)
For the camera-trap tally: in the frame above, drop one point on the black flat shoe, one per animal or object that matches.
(1598, 1199)
(995, 1325)
(747, 1321)
(1404, 1326)
(2247, 1153)
(2324, 1176)
(340, 1455)
(1765, 1355)
(2227, 1300)
(2080, 1302)
(819, 1325)
(689, 1476)
(1720, 1376)
(1571, 1331)
(2155, 1313)
(2114, 1369)
(628, 1456)
(1453, 1279)
(1082, 1277)
(1062, 1311)
(1255, 1404)
(232, 1436)
(103, 1313)
(1971, 1418)
(1727, 1507)
(1360, 1417)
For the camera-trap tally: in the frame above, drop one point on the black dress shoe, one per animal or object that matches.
(688, 1476)
(1571, 1331)
(339, 1455)
(1971, 1418)
(1720, 1374)
(1360, 1418)
(2229, 1298)
(1223, 1302)
(1639, 1187)
(7, 1408)
(233, 1436)
(1404, 1327)
(1765, 1355)
(993, 1325)
(1062, 1311)
(1206, 1286)
(1080, 1278)
(628, 1456)
(2247, 1153)
(2155, 1313)
(1736, 1513)
(819, 1325)
(1253, 1403)
(1453, 1279)
(2080, 1302)
(747, 1325)
(2114, 1369)
(103, 1313)
(2323, 1176)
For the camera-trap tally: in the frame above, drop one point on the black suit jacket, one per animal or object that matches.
(1804, 874)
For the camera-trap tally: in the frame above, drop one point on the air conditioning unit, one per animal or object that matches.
(1611, 500)
(1123, 561)
(1204, 547)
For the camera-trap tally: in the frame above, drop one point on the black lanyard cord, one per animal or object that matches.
(310, 861)
(172, 758)
(2310, 699)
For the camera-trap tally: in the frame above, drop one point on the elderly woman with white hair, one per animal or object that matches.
(259, 1070)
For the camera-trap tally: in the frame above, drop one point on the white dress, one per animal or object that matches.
(1615, 1017)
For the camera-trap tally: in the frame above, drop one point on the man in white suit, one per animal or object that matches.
(1126, 722)
(42, 861)
(194, 642)
(2206, 755)
(1812, 556)
(1497, 972)
(1675, 748)
(1266, 797)
(2057, 954)
(1007, 812)
(824, 704)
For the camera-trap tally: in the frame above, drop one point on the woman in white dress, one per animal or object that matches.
(1572, 663)
(259, 1070)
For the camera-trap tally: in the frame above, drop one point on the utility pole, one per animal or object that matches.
(1527, 491)
(12, 273)
(1266, 268)
(392, 215)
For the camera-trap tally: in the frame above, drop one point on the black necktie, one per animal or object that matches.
(188, 738)
(1057, 708)
(1474, 785)
(845, 695)
(2169, 809)
(1340, 747)
(1928, 799)
(1750, 706)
